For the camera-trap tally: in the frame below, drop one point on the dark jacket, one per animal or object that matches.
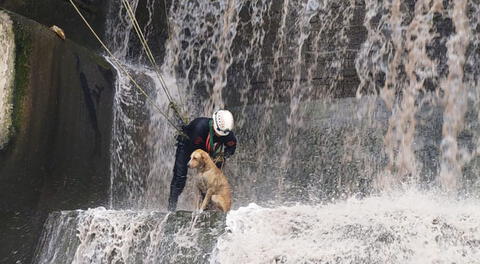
(198, 132)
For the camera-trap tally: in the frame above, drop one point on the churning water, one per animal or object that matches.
(388, 177)
(410, 227)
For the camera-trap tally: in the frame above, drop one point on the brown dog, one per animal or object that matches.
(211, 182)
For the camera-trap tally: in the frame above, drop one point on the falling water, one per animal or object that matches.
(414, 58)
(131, 115)
(197, 60)
(269, 61)
(7, 49)
(307, 12)
(304, 66)
(199, 51)
(418, 58)
(119, 29)
(161, 146)
(455, 99)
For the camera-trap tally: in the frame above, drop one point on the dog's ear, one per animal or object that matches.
(204, 156)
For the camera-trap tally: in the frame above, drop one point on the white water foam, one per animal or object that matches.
(98, 236)
(411, 227)
(7, 60)
(108, 236)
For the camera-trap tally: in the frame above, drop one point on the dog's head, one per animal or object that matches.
(198, 159)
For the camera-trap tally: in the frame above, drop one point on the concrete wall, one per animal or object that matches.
(62, 14)
(58, 155)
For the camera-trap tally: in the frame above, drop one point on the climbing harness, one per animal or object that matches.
(120, 66)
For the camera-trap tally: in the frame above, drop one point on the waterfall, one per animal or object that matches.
(269, 62)
(133, 115)
(455, 100)
(129, 117)
(358, 135)
(418, 59)
(7, 48)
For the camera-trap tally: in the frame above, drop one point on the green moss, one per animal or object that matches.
(23, 47)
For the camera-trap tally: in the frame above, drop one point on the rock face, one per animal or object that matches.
(58, 153)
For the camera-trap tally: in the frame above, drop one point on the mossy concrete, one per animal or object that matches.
(7, 62)
(58, 157)
(22, 51)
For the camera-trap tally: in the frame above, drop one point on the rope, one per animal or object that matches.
(119, 65)
(151, 58)
(147, 49)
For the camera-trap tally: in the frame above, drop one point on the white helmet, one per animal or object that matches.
(222, 122)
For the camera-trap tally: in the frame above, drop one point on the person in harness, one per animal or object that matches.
(213, 135)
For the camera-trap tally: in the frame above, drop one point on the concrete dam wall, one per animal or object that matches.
(56, 154)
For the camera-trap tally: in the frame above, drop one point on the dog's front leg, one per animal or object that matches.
(206, 200)
(200, 198)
